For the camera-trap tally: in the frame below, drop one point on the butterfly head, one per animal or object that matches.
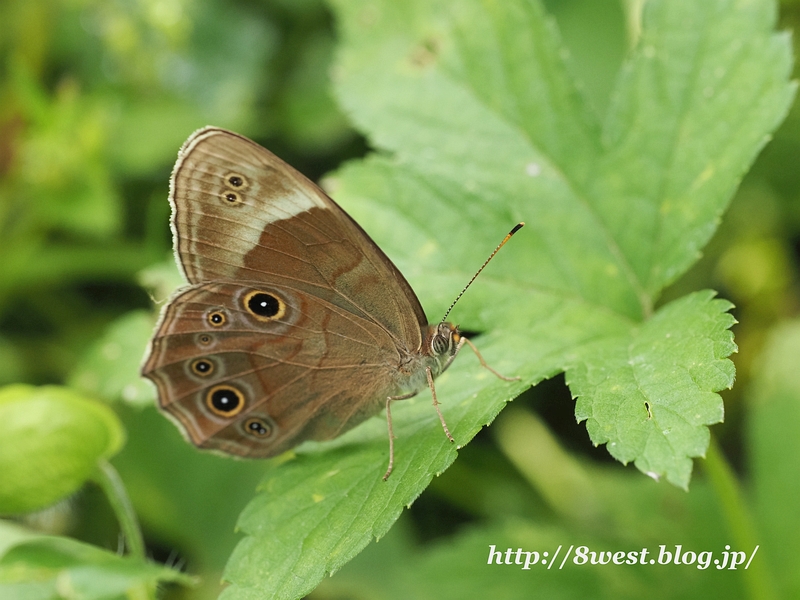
(443, 340)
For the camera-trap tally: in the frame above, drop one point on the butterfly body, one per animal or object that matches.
(295, 325)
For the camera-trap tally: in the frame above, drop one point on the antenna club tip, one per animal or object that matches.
(510, 233)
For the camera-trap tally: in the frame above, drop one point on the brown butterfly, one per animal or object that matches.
(295, 325)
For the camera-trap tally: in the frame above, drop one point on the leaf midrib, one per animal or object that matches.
(680, 123)
(645, 300)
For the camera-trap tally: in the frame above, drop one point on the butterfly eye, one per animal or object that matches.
(257, 427)
(439, 344)
(236, 181)
(202, 367)
(225, 400)
(216, 318)
(264, 306)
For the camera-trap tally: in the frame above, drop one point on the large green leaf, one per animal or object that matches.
(479, 126)
(600, 510)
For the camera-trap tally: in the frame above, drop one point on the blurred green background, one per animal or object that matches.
(96, 96)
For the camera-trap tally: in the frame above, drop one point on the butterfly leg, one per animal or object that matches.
(483, 362)
(389, 401)
(436, 404)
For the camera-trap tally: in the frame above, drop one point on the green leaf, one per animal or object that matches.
(649, 395)
(675, 138)
(480, 126)
(50, 441)
(456, 567)
(605, 509)
(773, 440)
(334, 488)
(44, 567)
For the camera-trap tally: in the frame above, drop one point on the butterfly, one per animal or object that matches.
(295, 325)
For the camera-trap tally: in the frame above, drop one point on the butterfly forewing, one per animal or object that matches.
(240, 213)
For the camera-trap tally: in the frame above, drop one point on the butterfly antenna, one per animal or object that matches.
(516, 228)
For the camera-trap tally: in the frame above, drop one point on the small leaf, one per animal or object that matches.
(650, 395)
(50, 441)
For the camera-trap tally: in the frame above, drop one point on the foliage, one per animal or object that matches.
(52, 438)
(42, 566)
(478, 119)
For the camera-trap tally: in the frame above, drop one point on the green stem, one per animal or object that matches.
(739, 520)
(110, 482)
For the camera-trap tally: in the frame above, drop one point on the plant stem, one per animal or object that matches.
(110, 482)
(735, 511)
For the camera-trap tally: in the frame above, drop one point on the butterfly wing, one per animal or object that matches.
(296, 325)
(250, 384)
(242, 214)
